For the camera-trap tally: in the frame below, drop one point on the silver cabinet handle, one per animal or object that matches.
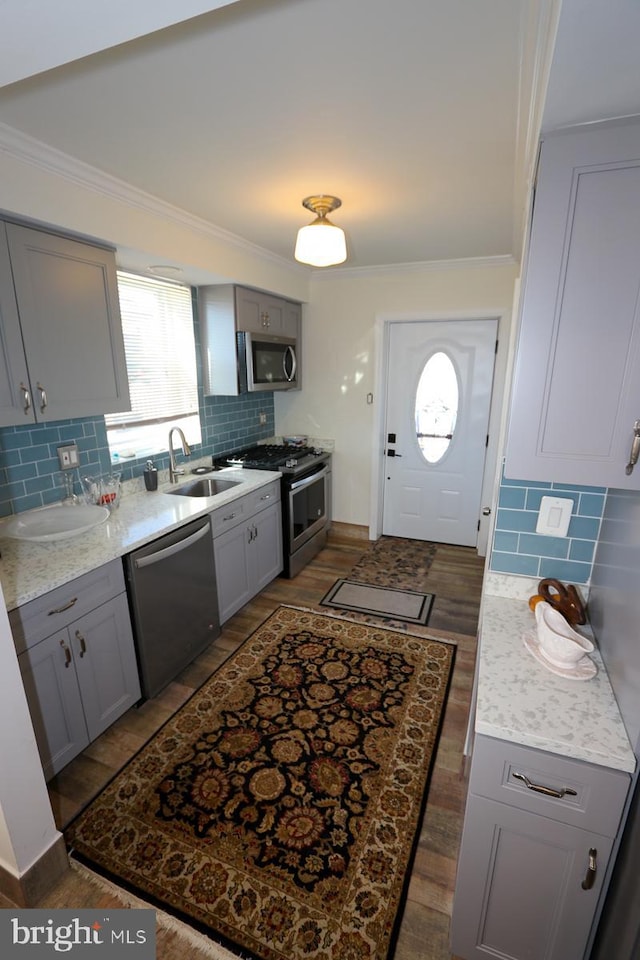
(592, 869)
(43, 397)
(62, 609)
(547, 791)
(67, 653)
(635, 449)
(230, 516)
(82, 642)
(26, 398)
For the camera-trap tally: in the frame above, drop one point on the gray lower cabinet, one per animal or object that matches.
(77, 659)
(537, 838)
(247, 543)
(61, 345)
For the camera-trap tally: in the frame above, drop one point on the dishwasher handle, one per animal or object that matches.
(173, 549)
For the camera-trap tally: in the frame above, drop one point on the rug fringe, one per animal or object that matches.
(163, 920)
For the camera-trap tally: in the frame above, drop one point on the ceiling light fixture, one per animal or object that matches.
(321, 243)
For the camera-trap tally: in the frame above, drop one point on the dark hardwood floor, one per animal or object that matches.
(455, 577)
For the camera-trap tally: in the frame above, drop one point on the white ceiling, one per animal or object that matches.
(414, 112)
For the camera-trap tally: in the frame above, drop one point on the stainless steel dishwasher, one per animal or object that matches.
(172, 595)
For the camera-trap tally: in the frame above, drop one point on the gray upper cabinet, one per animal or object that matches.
(61, 346)
(576, 392)
(258, 312)
(225, 311)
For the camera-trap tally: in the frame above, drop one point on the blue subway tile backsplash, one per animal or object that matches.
(30, 474)
(518, 549)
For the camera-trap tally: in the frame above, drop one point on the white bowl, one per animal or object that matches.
(559, 642)
(57, 522)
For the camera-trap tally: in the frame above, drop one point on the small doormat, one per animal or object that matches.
(279, 809)
(407, 605)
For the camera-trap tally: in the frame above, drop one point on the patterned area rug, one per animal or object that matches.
(406, 605)
(278, 808)
(396, 562)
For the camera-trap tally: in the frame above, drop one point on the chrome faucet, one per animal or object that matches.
(174, 471)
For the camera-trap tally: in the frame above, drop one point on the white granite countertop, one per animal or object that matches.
(520, 700)
(30, 569)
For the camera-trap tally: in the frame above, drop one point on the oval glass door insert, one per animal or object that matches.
(437, 399)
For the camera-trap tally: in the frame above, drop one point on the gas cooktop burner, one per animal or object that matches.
(272, 456)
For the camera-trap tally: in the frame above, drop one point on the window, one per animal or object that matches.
(157, 323)
(436, 408)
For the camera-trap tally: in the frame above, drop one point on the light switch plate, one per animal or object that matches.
(554, 516)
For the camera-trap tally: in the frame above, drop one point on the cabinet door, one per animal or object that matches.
(15, 391)
(292, 321)
(233, 569)
(251, 312)
(67, 299)
(105, 662)
(266, 546)
(258, 312)
(576, 393)
(519, 892)
(53, 695)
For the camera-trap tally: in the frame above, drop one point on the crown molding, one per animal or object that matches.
(27, 149)
(463, 263)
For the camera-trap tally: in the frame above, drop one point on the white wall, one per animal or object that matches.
(339, 361)
(48, 186)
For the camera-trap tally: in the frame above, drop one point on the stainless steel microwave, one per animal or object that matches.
(267, 362)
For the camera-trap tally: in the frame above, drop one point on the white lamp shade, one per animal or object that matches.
(321, 244)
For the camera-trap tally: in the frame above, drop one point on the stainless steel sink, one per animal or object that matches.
(204, 487)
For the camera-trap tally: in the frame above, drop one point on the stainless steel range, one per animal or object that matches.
(306, 496)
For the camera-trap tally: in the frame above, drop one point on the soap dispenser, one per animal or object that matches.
(150, 476)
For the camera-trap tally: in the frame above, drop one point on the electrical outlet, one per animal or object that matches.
(263, 419)
(68, 456)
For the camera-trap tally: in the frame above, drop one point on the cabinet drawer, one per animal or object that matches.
(263, 497)
(596, 803)
(55, 610)
(224, 518)
(227, 517)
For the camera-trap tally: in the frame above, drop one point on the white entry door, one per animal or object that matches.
(437, 414)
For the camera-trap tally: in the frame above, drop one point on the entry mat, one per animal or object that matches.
(407, 605)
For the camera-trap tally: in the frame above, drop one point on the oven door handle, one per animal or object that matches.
(305, 481)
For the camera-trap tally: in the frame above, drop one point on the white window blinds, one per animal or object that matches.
(157, 321)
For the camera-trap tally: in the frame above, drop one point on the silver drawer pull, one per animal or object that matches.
(229, 516)
(587, 883)
(62, 609)
(547, 791)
